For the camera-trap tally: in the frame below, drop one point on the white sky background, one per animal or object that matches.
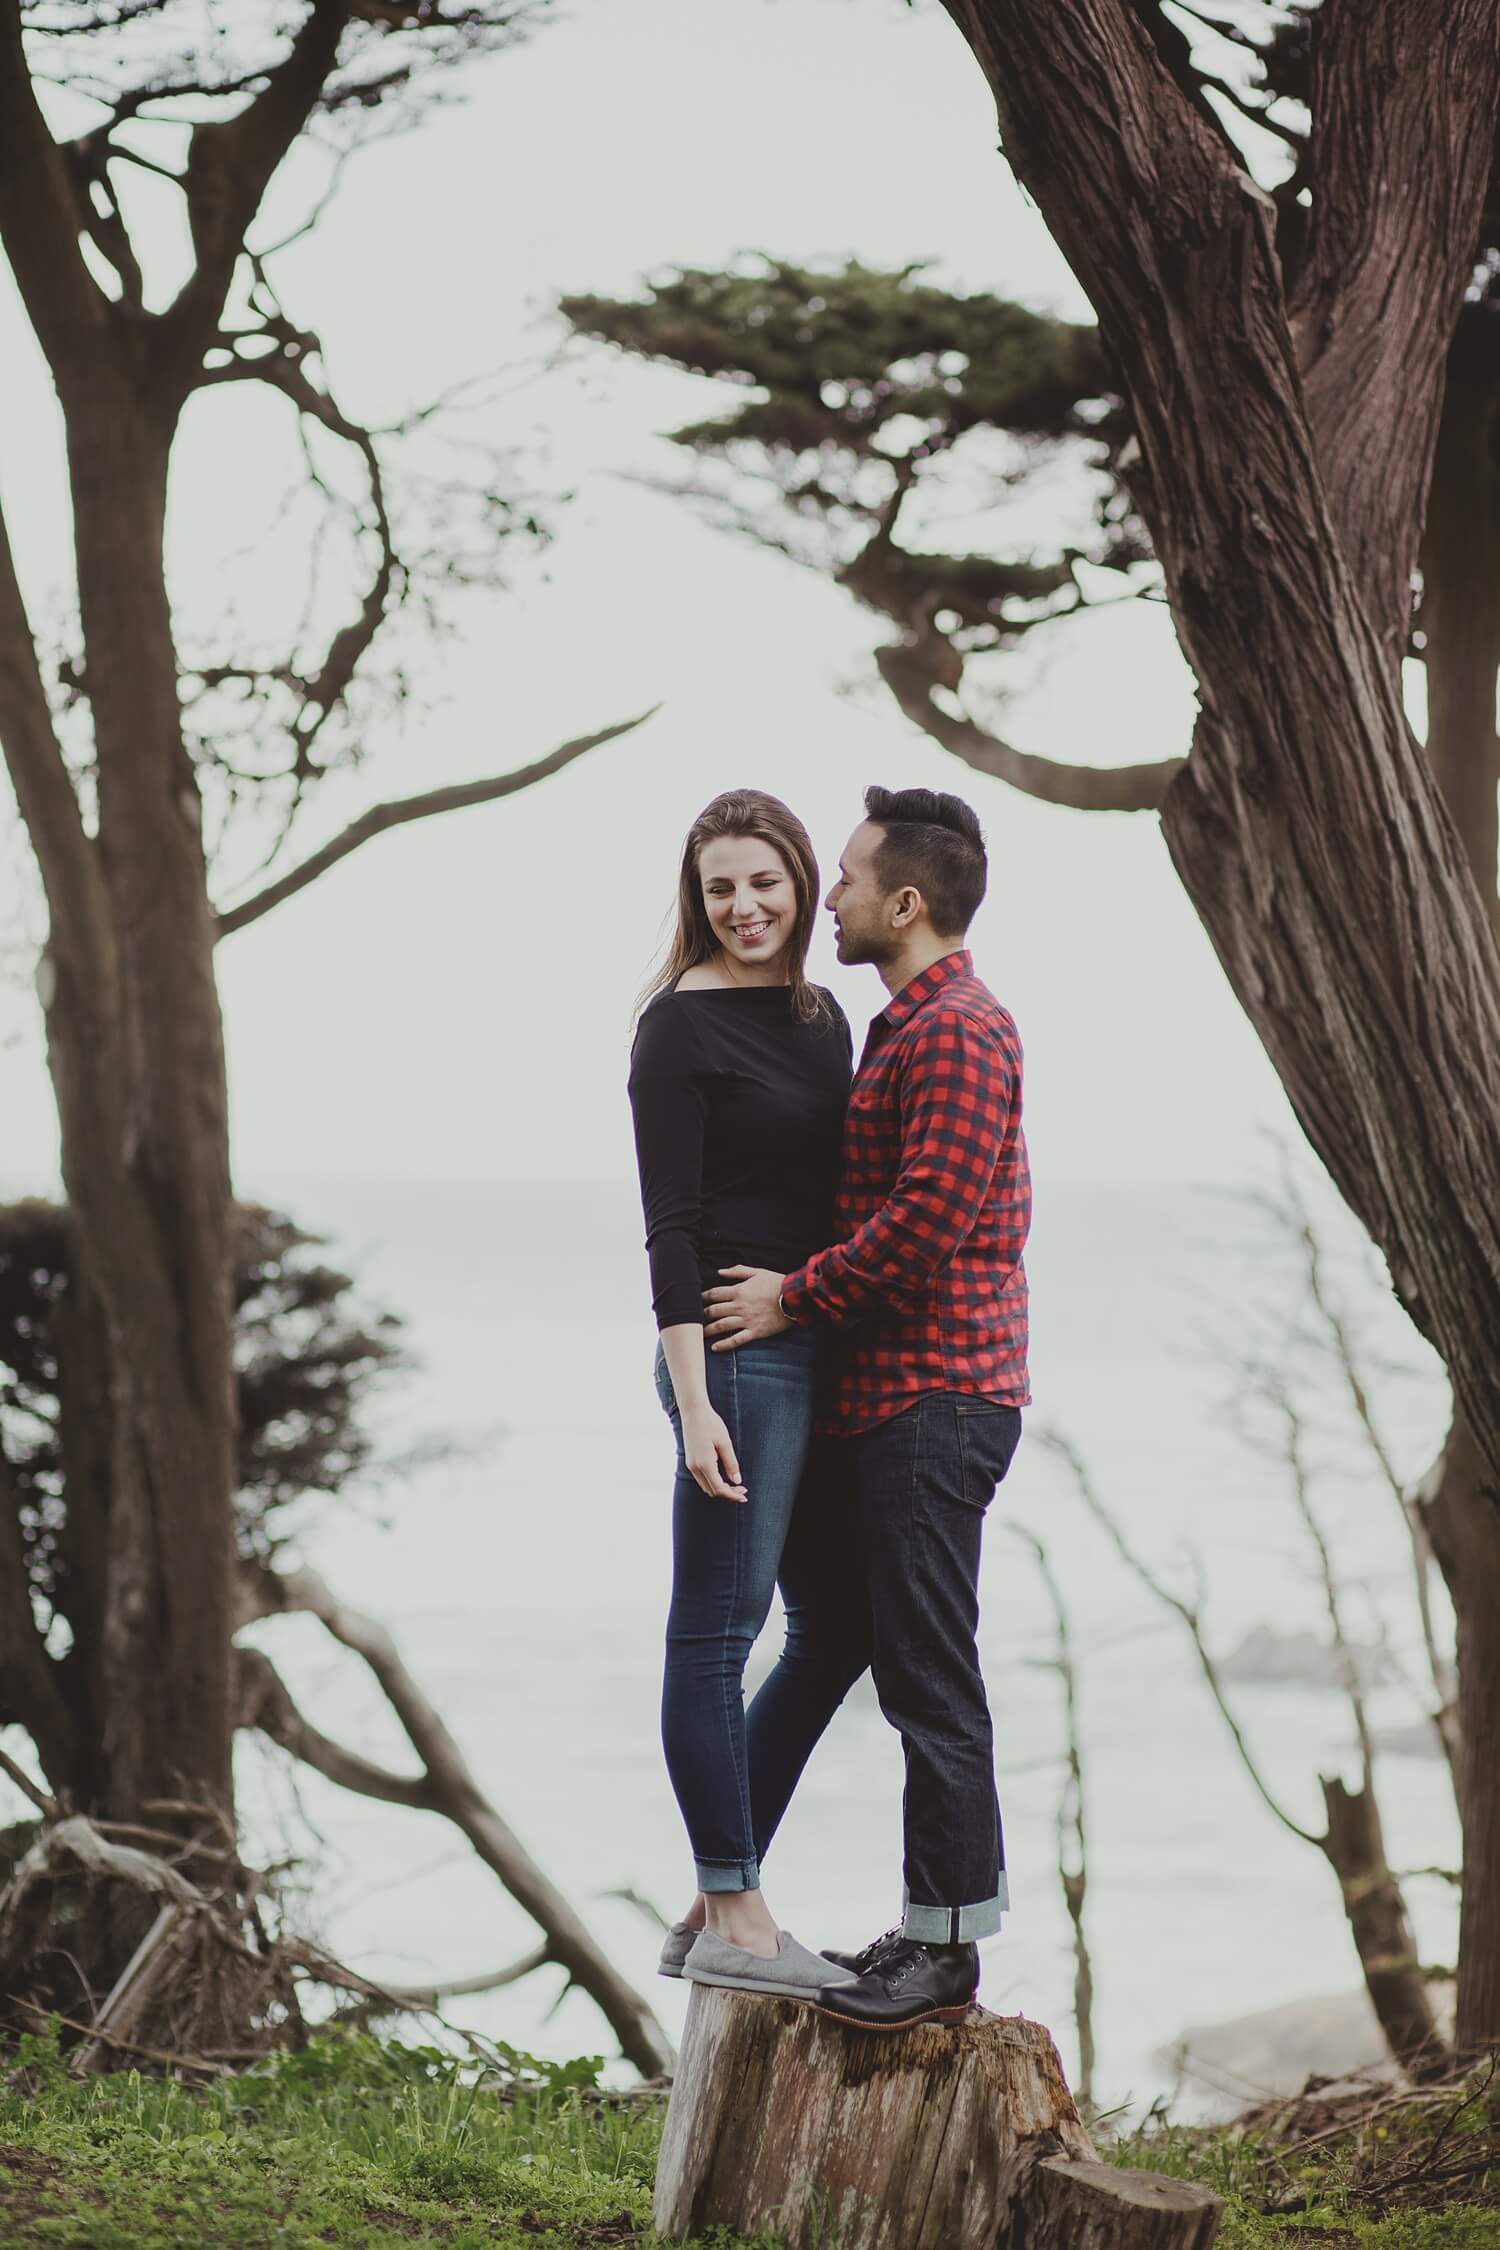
(454, 999)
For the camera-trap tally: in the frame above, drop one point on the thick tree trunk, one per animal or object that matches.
(1462, 1511)
(932, 2139)
(1306, 827)
(139, 1076)
(1460, 616)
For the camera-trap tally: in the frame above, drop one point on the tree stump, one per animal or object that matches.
(943, 2138)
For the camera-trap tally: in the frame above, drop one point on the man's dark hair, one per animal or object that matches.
(935, 843)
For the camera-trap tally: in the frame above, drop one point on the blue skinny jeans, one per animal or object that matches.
(725, 1558)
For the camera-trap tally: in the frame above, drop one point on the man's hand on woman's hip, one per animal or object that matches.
(748, 1308)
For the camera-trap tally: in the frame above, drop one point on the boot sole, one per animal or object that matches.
(907, 2023)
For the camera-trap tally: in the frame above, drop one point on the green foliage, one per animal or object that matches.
(844, 353)
(306, 1354)
(863, 409)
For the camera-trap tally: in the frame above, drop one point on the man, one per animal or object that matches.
(925, 1290)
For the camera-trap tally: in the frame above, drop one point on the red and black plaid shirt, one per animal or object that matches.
(925, 1280)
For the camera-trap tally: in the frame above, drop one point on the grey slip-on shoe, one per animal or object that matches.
(676, 1947)
(793, 1973)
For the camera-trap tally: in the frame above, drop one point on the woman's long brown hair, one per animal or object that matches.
(745, 812)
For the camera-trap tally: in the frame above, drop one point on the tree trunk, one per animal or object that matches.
(1460, 616)
(1462, 1511)
(1306, 826)
(931, 2139)
(139, 1074)
(1355, 1849)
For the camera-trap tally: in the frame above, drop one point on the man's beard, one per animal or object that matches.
(858, 952)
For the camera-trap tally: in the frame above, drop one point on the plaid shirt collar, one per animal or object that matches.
(906, 1002)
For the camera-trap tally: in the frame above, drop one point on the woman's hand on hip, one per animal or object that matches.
(708, 1450)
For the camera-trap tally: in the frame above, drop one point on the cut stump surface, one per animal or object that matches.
(960, 2137)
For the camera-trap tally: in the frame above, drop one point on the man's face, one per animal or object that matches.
(861, 914)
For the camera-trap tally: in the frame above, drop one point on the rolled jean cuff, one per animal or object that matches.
(955, 1925)
(727, 1874)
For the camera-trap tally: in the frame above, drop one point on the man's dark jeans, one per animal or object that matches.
(881, 1569)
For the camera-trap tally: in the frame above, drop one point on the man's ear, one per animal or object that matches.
(908, 906)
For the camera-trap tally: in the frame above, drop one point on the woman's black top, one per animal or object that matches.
(739, 1111)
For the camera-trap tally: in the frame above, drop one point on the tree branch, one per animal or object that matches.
(1397, 194)
(1138, 788)
(40, 222)
(1445, 1718)
(229, 167)
(29, 1690)
(395, 814)
(47, 1806)
(70, 874)
(264, 1702)
(1190, 1618)
(1072, 1833)
(456, 1794)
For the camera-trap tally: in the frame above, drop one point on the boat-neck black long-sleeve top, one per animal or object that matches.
(739, 1112)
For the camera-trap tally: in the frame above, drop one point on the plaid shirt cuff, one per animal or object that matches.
(796, 1300)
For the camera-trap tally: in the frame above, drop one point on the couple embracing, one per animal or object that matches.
(837, 1276)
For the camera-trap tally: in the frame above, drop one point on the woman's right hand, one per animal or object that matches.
(709, 1452)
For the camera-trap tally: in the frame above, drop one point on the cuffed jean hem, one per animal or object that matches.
(955, 1925)
(727, 1874)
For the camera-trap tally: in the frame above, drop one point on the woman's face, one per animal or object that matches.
(749, 898)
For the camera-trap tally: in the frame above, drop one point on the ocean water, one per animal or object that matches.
(519, 1552)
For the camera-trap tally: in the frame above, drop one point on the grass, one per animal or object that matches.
(1370, 2173)
(378, 2146)
(356, 2142)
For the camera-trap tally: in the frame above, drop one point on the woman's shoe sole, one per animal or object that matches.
(907, 2023)
(739, 1984)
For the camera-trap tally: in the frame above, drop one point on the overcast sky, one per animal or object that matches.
(455, 998)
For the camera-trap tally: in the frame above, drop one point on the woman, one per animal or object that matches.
(738, 1080)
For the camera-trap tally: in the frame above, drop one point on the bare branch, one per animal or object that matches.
(1301, 1484)
(421, 1997)
(395, 814)
(46, 1805)
(229, 167)
(456, 1794)
(265, 1702)
(1139, 788)
(1072, 1836)
(44, 792)
(1190, 1618)
(29, 1689)
(1291, 1212)
(40, 221)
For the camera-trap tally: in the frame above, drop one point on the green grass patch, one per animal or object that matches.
(356, 2142)
(376, 2145)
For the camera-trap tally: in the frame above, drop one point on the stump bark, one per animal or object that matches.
(943, 2138)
